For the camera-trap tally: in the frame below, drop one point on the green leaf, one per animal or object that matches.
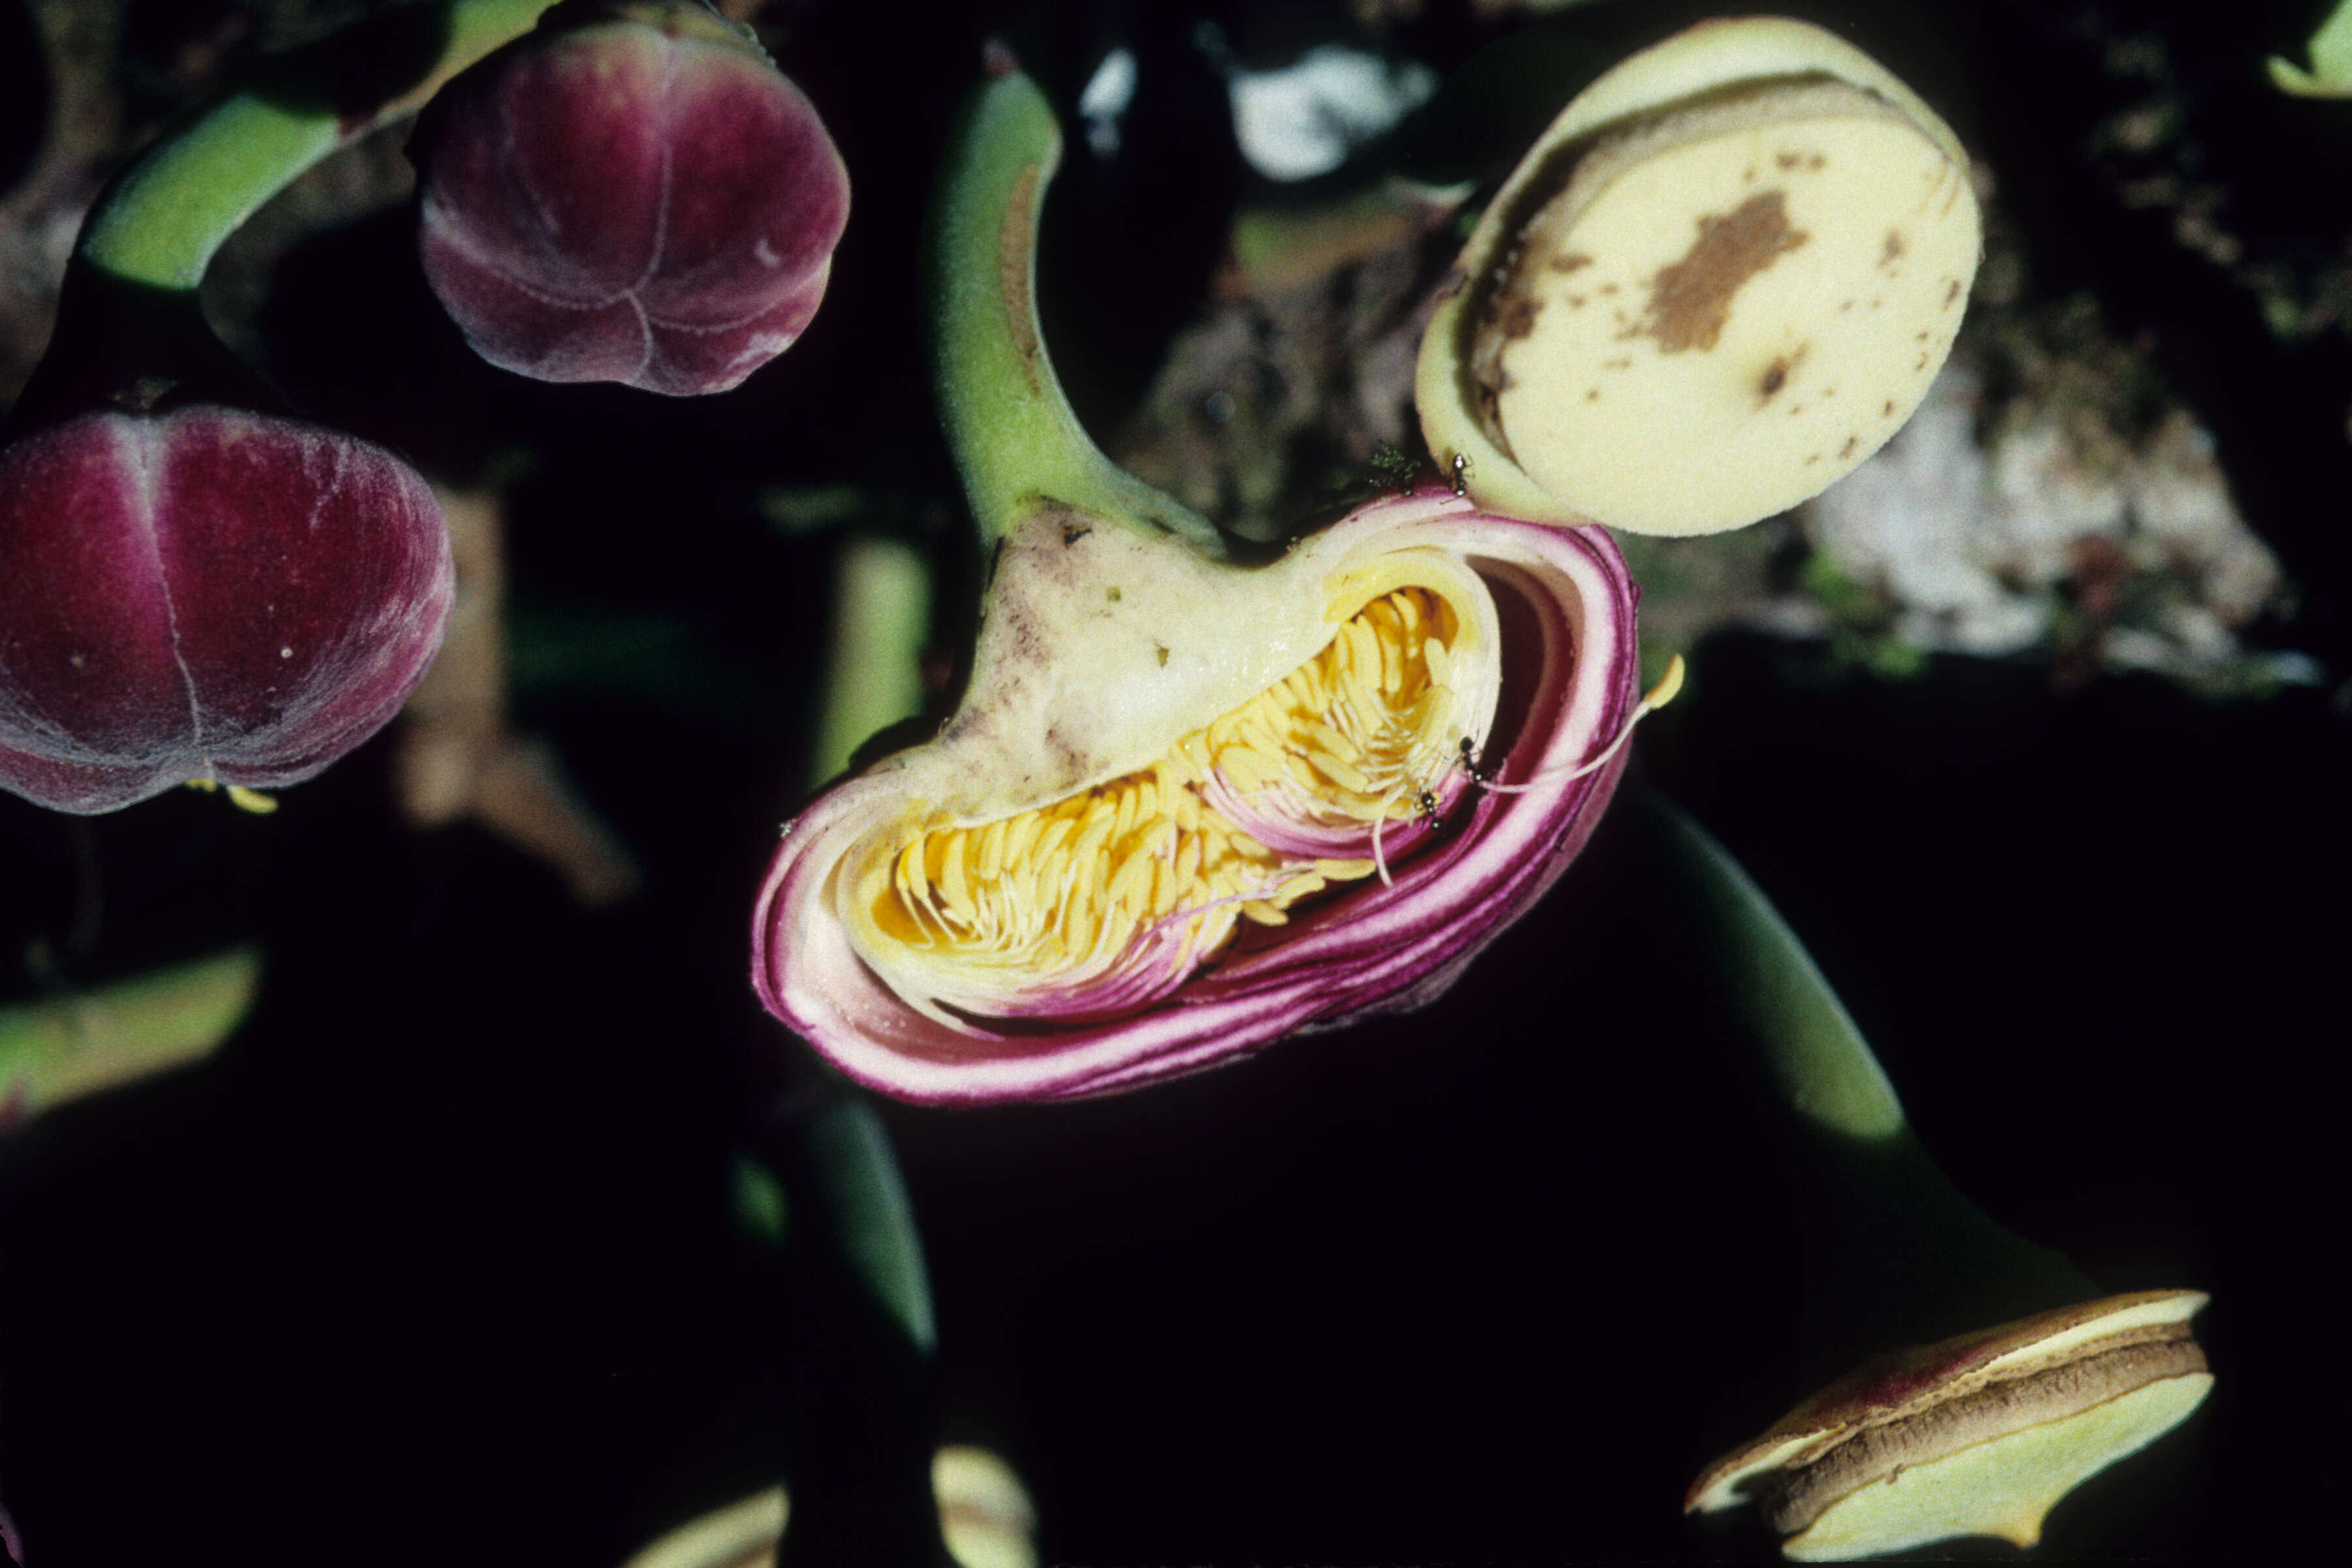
(762, 1210)
(1897, 1254)
(59, 1050)
(858, 1183)
(2331, 60)
(1818, 1059)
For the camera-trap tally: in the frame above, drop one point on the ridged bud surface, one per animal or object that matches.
(207, 594)
(650, 203)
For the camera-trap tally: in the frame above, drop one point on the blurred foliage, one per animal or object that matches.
(64, 1048)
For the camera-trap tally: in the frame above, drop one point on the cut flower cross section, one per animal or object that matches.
(1189, 808)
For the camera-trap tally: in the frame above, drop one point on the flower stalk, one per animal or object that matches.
(1017, 444)
(873, 672)
(167, 214)
(128, 328)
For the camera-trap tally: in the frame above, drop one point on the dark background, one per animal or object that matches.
(433, 1262)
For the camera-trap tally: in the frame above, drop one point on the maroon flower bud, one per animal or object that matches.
(642, 198)
(207, 594)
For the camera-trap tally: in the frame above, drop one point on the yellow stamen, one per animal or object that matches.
(1347, 744)
(1668, 686)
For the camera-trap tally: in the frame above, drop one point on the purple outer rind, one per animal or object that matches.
(205, 594)
(620, 204)
(1371, 950)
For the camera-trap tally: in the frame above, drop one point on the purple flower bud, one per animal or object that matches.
(1187, 808)
(207, 594)
(642, 201)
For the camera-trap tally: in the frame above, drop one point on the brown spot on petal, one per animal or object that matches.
(1570, 261)
(1518, 317)
(1892, 250)
(1691, 299)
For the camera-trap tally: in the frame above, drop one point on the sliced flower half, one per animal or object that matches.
(1190, 808)
(1720, 279)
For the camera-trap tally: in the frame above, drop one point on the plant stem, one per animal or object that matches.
(165, 214)
(130, 331)
(861, 1333)
(873, 676)
(1018, 444)
(1898, 1255)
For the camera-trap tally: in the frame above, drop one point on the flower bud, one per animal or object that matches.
(205, 596)
(1720, 279)
(1188, 807)
(639, 196)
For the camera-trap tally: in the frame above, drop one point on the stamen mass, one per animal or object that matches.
(1111, 896)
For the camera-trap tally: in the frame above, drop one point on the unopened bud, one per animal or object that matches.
(205, 596)
(631, 194)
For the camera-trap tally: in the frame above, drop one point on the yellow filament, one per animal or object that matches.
(1348, 740)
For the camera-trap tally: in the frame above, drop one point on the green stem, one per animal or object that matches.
(873, 676)
(130, 331)
(861, 1332)
(1019, 448)
(165, 216)
(1901, 1257)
